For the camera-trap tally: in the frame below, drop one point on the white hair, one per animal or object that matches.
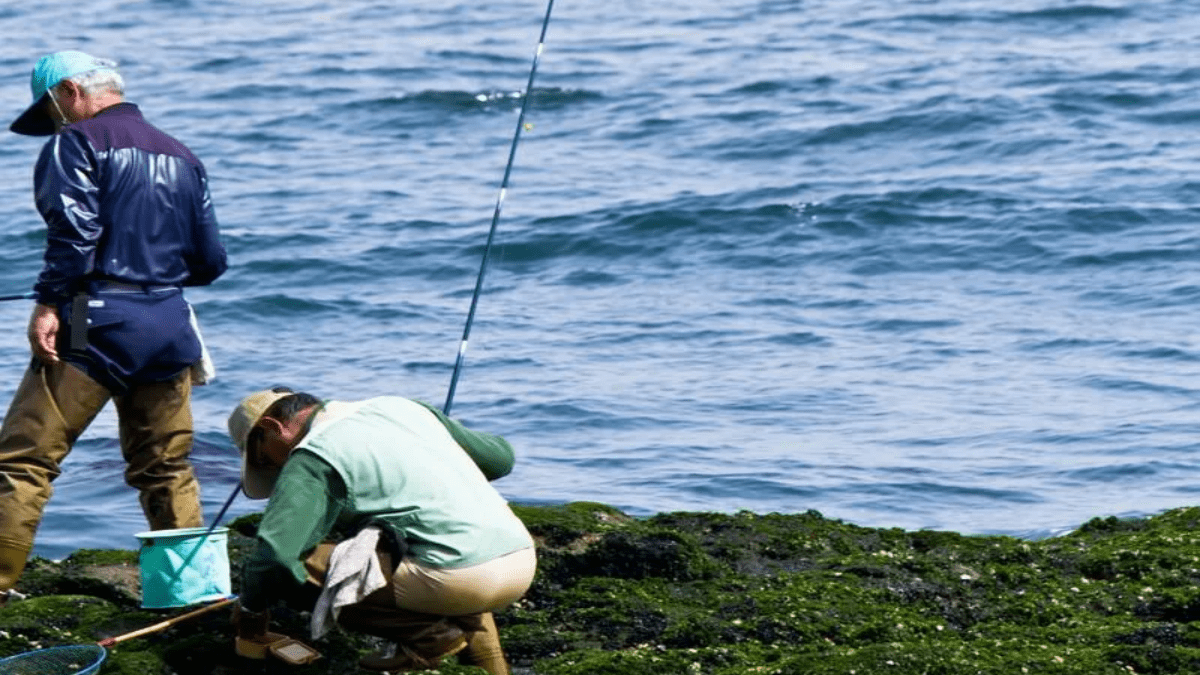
(96, 82)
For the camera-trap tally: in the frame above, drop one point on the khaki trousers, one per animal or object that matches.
(417, 599)
(51, 408)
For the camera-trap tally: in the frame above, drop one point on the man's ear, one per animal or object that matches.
(68, 88)
(272, 424)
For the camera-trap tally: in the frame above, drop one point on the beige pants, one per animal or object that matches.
(52, 406)
(487, 587)
(418, 597)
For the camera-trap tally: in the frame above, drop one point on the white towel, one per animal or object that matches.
(354, 573)
(203, 371)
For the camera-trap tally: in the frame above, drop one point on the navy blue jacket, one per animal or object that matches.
(123, 202)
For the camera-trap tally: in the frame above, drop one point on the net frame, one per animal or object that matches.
(65, 660)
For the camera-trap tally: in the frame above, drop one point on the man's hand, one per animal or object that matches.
(43, 332)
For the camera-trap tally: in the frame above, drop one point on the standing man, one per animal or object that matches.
(432, 548)
(129, 222)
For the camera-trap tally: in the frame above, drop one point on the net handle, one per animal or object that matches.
(163, 625)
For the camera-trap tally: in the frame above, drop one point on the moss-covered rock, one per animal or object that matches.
(734, 593)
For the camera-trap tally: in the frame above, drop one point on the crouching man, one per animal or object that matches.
(431, 549)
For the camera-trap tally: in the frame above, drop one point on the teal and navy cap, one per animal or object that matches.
(49, 71)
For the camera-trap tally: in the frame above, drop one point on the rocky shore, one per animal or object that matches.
(726, 594)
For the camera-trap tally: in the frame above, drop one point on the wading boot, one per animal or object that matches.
(419, 651)
(483, 646)
(253, 639)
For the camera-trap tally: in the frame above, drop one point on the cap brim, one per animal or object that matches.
(257, 481)
(35, 121)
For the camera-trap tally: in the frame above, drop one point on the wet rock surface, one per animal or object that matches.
(725, 594)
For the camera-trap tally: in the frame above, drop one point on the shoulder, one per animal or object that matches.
(395, 406)
(64, 153)
(306, 468)
(124, 126)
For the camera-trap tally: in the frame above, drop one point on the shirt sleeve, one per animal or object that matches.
(304, 506)
(67, 195)
(491, 453)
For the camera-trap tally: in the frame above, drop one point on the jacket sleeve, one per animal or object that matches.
(67, 194)
(305, 504)
(206, 260)
(492, 454)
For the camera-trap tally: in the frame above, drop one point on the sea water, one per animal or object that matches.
(907, 263)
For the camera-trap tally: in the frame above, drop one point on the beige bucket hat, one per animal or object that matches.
(257, 481)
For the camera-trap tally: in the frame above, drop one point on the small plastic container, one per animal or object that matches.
(282, 647)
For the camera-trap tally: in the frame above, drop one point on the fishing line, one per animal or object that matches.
(207, 533)
(512, 153)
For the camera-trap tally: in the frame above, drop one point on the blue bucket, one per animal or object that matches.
(183, 567)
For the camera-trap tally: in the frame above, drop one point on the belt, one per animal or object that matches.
(122, 287)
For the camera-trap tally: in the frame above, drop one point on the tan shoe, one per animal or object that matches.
(257, 647)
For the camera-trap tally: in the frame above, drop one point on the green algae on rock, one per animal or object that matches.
(805, 594)
(738, 593)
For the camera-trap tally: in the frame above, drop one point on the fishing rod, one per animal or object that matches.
(200, 544)
(512, 153)
(22, 296)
